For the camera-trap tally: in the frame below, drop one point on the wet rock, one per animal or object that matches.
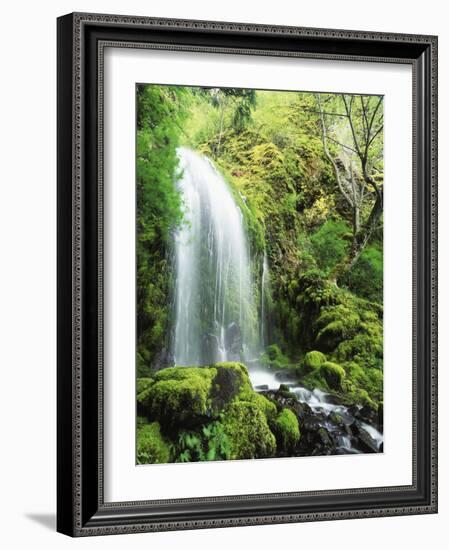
(368, 414)
(334, 399)
(209, 348)
(162, 360)
(233, 342)
(325, 438)
(336, 418)
(261, 387)
(285, 391)
(364, 441)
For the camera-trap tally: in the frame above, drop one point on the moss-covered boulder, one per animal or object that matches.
(230, 380)
(286, 430)
(189, 396)
(246, 428)
(181, 395)
(313, 360)
(333, 374)
(143, 386)
(152, 448)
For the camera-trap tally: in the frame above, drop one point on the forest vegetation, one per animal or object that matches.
(306, 171)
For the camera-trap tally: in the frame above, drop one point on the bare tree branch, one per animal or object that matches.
(329, 156)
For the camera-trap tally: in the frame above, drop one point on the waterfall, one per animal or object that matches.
(214, 317)
(265, 288)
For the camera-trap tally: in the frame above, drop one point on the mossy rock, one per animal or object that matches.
(151, 446)
(181, 395)
(286, 429)
(246, 428)
(143, 386)
(189, 396)
(313, 360)
(333, 374)
(364, 386)
(335, 324)
(231, 379)
(268, 407)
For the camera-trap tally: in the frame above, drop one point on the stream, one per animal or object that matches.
(331, 427)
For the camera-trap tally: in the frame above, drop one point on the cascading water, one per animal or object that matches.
(214, 314)
(265, 286)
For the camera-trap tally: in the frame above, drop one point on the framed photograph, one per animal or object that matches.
(246, 274)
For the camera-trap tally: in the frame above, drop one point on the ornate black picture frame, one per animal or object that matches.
(81, 510)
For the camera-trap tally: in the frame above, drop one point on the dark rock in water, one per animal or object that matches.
(333, 399)
(368, 414)
(209, 348)
(381, 448)
(364, 441)
(336, 418)
(353, 410)
(261, 387)
(162, 360)
(325, 438)
(302, 410)
(316, 439)
(233, 342)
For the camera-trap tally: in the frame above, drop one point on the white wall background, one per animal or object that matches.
(28, 267)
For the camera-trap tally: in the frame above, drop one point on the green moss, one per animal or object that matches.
(265, 405)
(363, 385)
(143, 386)
(274, 358)
(231, 379)
(246, 428)
(336, 323)
(286, 429)
(151, 446)
(180, 395)
(313, 360)
(333, 374)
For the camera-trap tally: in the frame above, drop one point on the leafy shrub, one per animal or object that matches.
(331, 244)
(366, 276)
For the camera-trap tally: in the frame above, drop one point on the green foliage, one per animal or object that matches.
(269, 147)
(160, 110)
(286, 430)
(208, 443)
(143, 388)
(330, 244)
(152, 448)
(366, 277)
(274, 358)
